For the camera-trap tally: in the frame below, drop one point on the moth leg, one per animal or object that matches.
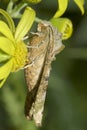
(36, 46)
(25, 38)
(33, 62)
(28, 36)
(29, 65)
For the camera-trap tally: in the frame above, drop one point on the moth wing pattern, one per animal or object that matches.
(49, 43)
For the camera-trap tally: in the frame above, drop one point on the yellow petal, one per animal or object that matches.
(5, 71)
(4, 56)
(80, 4)
(25, 23)
(9, 20)
(6, 45)
(64, 26)
(2, 82)
(62, 8)
(4, 29)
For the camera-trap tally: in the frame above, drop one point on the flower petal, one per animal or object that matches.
(64, 26)
(80, 4)
(6, 46)
(9, 20)
(4, 29)
(2, 82)
(62, 8)
(5, 71)
(4, 56)
(25, 23)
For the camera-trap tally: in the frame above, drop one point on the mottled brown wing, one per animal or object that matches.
(48, 40)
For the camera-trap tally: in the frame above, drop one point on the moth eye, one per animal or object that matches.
(34, 1)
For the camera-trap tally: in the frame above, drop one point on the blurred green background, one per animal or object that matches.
(66, 101)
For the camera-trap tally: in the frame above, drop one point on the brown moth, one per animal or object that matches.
(43, 47)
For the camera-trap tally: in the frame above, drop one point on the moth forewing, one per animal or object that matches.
(33, 74)
(49, 41)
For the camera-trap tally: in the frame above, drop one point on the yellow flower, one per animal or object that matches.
(64, 25)
(13, 51)
(63, 6)
(80, 4)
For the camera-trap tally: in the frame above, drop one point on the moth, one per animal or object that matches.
(43, 46)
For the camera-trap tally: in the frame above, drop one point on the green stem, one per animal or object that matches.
(9, 7)
(37, 20)
(15, 12)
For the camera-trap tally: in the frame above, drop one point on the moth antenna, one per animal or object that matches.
(36, 46)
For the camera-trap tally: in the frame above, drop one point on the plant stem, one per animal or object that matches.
(38, 20)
